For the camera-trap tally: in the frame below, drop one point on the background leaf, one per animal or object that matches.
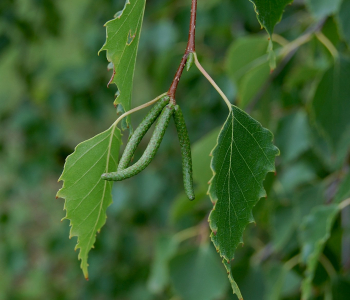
(247, 64)
(201, 158)
(322, 8)
(344, 21)
(269, 12)
(242, 157)
(333, 90)
(198, 274)
(165, 249)
(293, 135)
(343, 190)
(123, 36)
(53, 95)
(87, 195)
(314, 232)
(280, 282)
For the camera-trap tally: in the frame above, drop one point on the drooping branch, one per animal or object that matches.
(189, 49)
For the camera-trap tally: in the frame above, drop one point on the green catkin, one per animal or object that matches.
(140, 131)
(150, 151)
(185, 152)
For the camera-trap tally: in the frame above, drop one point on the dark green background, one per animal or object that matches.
(53, 95)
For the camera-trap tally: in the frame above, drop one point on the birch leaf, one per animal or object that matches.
(122, 40)
(86, 195)
(269, 13)
(244, 154)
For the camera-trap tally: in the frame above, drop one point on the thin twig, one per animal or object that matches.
(189, 49)
(186, 234)
(129, 112)
(328, 44)
(332, 273)
(290, 264)
(344, 204)
(279, 39)
(213, 83)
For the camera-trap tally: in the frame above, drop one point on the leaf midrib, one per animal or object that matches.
(105, 183)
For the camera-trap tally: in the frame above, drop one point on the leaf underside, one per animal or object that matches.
(122, 40)
(241, 159)
(86, 195)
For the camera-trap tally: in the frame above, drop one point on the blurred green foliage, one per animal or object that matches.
(155, 244)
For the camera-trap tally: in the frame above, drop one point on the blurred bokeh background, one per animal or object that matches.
(155, 244)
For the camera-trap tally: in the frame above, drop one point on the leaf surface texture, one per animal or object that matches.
(269, 12)
(123, 36)
(86, 195)
(241, 159)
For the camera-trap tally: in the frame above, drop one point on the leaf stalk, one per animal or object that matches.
(129, 112)
(211, 80)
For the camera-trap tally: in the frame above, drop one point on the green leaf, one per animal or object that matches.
(332, 158)
(308, 198)
(254, 278)
(201, 158)
(122, 40)
(198, 274)
(247, 64)
(340, 288)
(282, 227)
(291, 284)
(333, 92)
(275, 277)
(296, 174)
(269, 13)
(86, 195)
(165, 249)
(245, 54)
(241, 159)
(293, 135)
(322, 8)
(344, 20)
(182, 208)
(314, 232)
(252, 83)
(343, 190)
(280, 282)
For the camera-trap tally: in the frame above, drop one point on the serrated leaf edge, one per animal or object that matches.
(226, 260)
(130, 39)
(260, 22)
(82, 265)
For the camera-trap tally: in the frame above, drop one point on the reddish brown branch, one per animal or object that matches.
(190, 48)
